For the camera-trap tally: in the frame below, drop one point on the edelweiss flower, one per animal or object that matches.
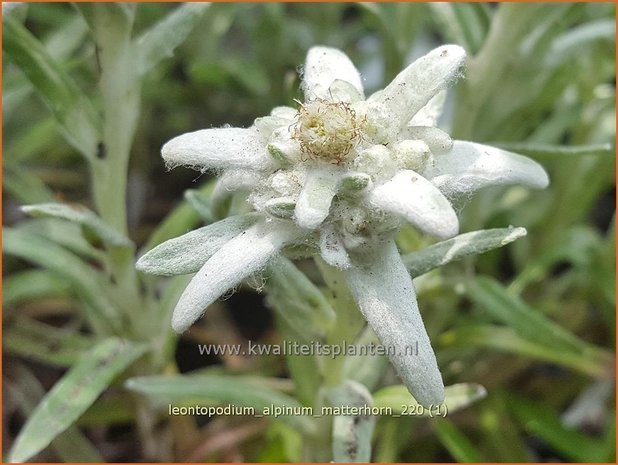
(340, 173)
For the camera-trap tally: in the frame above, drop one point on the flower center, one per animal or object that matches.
(328, 131)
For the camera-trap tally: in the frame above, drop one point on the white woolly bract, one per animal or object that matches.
(187, 253)
(430, 113)
(383, 290)
(325, 65)
(316, 196)
(416, 200)
(244, 255)
(332, 249)
(418, 83)
(436, 139)
(468, 167)
(218, 148)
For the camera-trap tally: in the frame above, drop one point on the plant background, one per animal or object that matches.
(540, 81)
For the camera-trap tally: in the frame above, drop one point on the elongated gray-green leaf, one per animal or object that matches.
(465, 23)
(366, 368)
(597, 363)
(575, 40)
(66, 234)
(509, 309)
(81, 215)
(101, 312)
(472, 243)
(161, 39)
(458, 445)
(217, 389)
(547, 152)
(298, 300)
(73, 394)
(23, 185)
(32, 284)
(457, 397)
(188, 253)
(74, 112)
(352, 433)
(199, 202)
(70, 445)
(43, 342)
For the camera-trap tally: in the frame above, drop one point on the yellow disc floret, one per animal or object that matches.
(328, 131)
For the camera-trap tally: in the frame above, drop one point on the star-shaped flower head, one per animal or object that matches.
(340, 173)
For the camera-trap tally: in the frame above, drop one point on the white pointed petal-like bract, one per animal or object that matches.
(266, 125)
(218, 148)
(468, 167)
(418, 201)
(418, 83)
(284, 112)
(247, 253)
(431, 112)
(233, 180)
(343, 91)
(187, 253)
(332, 249)
(228, 183)
(437, 140)
(315, 198)
(383, 290)
(323, 66)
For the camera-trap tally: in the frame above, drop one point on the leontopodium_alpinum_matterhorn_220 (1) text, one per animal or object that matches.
(340, 174)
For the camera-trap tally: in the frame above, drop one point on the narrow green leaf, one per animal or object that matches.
(23, 185)
(302, 369)
(577, 245)
(282, 444)
(66, 234)
(160, 40)
(218, 390)
(298, 300)
(472, 243)
(199, 202)
(66, 40)
(44, 343)
(507, 340)
(544, 152)
(71, 445)
(29, 143)
(367, 369)
(86, 281)
(352, 433)
(73, 394)
(80, 215)
(110, 410)
(499, 436)
(71, 108)
(457, 397)
(32, 284)
(509, 309)
(465, 23)
(573, 41)
(458, 445)
(541, 421)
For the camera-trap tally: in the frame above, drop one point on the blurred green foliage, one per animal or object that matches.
(534, 322)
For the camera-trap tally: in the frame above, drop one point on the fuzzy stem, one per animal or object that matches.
(120, 90)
